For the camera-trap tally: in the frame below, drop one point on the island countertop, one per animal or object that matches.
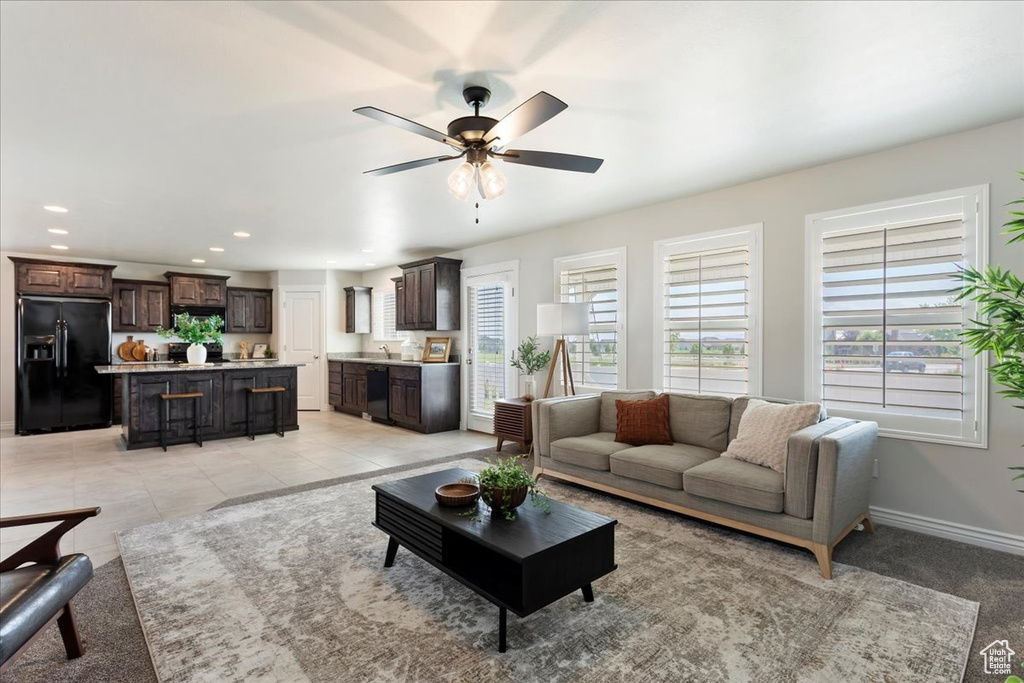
(134, 368)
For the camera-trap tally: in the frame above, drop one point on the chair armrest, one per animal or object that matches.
(844, 476)
(562, 417)
(802, 465)
(46, 548)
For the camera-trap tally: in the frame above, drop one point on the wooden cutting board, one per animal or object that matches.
(139, 352)
(126, 348)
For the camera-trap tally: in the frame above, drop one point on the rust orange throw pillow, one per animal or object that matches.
(641, 423)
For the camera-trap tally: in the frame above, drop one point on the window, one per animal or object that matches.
(707, 336)
(885, 323)
(598, 279)
(384, 314)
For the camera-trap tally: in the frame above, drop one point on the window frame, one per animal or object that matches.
(614, 257)
(972, 204)
(751, 235)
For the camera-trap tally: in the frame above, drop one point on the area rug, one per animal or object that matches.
(292, 589)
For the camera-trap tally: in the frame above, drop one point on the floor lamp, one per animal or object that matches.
(559, 320)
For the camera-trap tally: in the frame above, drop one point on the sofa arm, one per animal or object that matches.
(802, 465)
(844, 474)
(562, 417)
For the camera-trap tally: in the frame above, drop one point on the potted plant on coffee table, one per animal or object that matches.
(504, 485)
(196, 332)
(529, 359)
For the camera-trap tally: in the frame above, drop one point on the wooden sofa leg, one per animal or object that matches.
(69, 633)
(824, 556)
(869, 525)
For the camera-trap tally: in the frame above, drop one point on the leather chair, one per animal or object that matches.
(32, 597)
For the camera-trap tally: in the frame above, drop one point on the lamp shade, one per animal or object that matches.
(560, 319)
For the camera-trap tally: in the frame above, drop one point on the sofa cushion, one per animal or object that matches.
(641, 423)
(590, 451)
(661, 465)
(609, 421)
(765, 430)
(737, 482)
(700, 420)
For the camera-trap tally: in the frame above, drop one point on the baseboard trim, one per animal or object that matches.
(7, 425)
(996, 540)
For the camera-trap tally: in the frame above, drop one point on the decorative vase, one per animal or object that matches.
(529, 388)
(504, 500)
(196, 354)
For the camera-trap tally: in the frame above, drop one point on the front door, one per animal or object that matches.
(303, 343)
(491, 336)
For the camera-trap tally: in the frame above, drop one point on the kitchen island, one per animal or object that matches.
(225, 399)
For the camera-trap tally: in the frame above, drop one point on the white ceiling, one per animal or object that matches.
(165, 126)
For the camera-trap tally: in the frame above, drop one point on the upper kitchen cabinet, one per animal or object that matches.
(140, 306)
(357, 309)
(429, 291)
(191, 289)
(37, 276)
(250, 310)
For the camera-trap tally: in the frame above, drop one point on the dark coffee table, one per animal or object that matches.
(520, 566)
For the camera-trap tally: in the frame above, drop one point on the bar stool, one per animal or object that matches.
(197, 415)
(250, 409)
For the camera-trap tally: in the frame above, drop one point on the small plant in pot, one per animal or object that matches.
(529, 359)
(196, 332)
(504, 486)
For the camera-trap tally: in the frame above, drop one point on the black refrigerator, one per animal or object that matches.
(60, 342)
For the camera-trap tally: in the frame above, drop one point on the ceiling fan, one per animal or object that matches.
(477, 138)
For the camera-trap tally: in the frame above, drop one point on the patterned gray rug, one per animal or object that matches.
(292, 589)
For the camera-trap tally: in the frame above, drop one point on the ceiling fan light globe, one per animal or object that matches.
(460, 181)
(492, 180)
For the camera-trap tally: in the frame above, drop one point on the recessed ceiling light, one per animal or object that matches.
(58, 246)
(241, 234)
(370, 264)
(198, 260)
(57, 231)
(217, 249)
(332, 261)
(367, 251)
(55, 209)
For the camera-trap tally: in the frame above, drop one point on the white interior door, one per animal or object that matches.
(491, 336)
(303, 343)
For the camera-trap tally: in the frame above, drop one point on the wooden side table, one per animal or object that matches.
(513, 421)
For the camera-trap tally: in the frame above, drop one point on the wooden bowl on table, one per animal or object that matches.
(457, 495)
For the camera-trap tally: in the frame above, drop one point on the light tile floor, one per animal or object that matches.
(51, 472)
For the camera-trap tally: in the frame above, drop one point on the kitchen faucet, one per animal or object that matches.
(385, 349)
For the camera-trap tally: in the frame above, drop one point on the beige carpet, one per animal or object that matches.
(292, 589)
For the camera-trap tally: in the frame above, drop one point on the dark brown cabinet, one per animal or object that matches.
(190, 289)
(249, 310)
(358, 309)
(429, 294)
(424, 397)
(399, 302)
(353, 388)
(37, 276)
(140, 306)
(334, 397)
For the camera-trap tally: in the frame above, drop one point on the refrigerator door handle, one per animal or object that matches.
(64, 347)
(57, 347)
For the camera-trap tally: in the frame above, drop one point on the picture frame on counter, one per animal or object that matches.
(259, 350)
(437, 349)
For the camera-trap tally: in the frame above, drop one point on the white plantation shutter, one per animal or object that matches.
(384, 316)
(598, 280)
(706, 336)
(887, 324)
(486, 318)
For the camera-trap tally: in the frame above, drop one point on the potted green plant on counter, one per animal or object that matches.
(196, 332)
(504, 485)
(529, 359)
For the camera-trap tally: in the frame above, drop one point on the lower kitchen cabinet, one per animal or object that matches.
(424, 397)
(346, 389)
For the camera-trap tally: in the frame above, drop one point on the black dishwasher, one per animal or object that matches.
(377, 392)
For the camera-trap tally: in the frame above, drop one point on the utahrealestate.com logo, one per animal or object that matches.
(999, 660)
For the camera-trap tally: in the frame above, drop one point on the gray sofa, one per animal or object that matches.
(822, 496)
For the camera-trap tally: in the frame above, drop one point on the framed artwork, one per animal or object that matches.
(437, 349)
(259, 351)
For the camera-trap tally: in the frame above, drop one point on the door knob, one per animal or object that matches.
(316, 357)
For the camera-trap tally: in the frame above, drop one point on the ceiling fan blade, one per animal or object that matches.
(524, 118)
(385, 170)
(561, 162)
(406, 124)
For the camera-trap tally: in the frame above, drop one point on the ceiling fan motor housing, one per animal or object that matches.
(470, 128)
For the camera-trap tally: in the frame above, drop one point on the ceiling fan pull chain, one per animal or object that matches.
(478, 213)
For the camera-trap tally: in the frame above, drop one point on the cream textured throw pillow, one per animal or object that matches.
(766, 427)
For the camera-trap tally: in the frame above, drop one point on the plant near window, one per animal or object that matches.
(194, 330)
(529, 361)
(504, 485)
(1000, 298)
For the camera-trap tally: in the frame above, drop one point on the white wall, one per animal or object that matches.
(955, 484)
(124, 270)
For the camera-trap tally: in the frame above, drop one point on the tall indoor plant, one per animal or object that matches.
(1000, 297)
(196, 332)
(529, 361)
